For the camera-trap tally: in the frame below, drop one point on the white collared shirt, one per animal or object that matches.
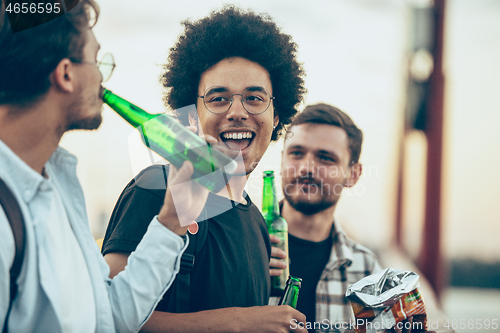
(122, 304)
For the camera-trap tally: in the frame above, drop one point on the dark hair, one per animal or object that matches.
(330, 115)
(28, 57)
(232, 32)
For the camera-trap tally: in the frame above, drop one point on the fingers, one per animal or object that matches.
(269, 318)
(275, 272)
(300, 316)
(277, 264)
(274, 239)
(179, 208)
(210, 139)
(178, 176)
(299, 327)
(206, 137)
(300, 319)
(168, 215)
(193, 129)
(278, 253)
(278, 261)
(220, 146)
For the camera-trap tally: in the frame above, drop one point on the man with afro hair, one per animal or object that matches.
(241, 76)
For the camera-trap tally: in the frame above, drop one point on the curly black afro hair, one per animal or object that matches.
(232, 32)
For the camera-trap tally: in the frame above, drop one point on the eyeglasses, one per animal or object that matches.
(255, 100)
(106, 66)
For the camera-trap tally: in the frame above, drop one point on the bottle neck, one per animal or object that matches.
(290, 296)
(133, 114)
(270, 203)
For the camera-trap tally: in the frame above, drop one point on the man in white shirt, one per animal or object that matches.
(50, 83)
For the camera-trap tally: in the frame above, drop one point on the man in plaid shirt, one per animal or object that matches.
(320, 158)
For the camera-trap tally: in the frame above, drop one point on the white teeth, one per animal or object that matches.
(238, 136)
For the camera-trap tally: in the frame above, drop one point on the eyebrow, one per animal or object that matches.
(328, 152)
(295, 147)
(255, 88)
(224, 89)
(320, 151)
(215, 90)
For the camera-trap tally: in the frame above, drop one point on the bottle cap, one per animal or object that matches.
(269, 173)
(294, 281)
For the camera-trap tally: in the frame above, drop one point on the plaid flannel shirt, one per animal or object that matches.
(349, 262)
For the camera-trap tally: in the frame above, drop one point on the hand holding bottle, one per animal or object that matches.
(261, 319)
(168, 138)
(277, 226)
(278, 258)
(185, 198)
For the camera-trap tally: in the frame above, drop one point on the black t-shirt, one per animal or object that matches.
(232, 267)
(307, 261)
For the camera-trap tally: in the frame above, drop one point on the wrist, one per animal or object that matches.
(236, 324)
(171, 222)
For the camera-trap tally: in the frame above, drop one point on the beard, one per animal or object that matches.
(91, 123)
(307, 207)
(75, 121)
(326, 197)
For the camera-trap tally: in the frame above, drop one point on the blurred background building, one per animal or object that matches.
(356, 55)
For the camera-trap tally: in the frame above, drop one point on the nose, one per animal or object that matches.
(236, 110)
(306, 166)
(100, 74)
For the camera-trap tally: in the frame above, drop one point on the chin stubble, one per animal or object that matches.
(308, 208)
(85, 124)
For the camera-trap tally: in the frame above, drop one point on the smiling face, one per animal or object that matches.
(316, 168)
(241, 131)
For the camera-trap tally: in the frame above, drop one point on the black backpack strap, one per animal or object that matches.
(179, 301)
(16, 221)
(182, 292)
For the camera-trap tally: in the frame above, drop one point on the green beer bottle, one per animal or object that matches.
(291, 294)
(172, 141)
(276, 225)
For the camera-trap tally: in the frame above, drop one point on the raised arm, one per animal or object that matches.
(149, 271)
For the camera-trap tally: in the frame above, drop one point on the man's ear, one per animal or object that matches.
(63, 76)
(353, 174)
(193, 117)
(276, 120)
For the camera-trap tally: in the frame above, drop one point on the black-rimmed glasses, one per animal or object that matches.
(106, 66)
(255, 100)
